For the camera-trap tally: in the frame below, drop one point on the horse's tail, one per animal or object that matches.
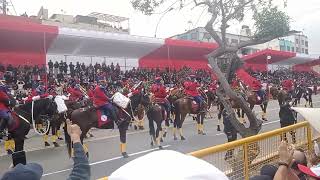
(67, 139)
(152, 131)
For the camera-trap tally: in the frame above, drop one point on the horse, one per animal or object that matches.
(211, 98)
(283, 95)
(263, 103)
(22, 115)
(184, 106)
(298, 93)
(156, 113)
(87, 118)
(308, 97)
(274, 91)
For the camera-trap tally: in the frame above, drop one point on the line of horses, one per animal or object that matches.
(85, 115)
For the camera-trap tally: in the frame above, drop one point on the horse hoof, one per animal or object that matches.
(160, 147)
(9, 151)
(55, 144)
(135, 127)
(199, 132)
(218, 128)
(183, 138)
(264, 119)
(125, 155)
(141, 128)
(91, 135)
(165, 134)
(203, 133)
(46, 144)
(161, 140)
(87, 154)
(60, 138)
(151, 144)
(175, 138)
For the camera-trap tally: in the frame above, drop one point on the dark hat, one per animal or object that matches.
(269, 170)
(261, 177)
(30, 171)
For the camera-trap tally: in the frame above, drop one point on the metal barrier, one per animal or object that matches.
(243, 158)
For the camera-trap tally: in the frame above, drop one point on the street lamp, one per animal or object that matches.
(155, 33)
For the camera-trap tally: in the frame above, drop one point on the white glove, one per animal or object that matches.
(130, 94)
(50, 96)
(87, 97)
(35, 98)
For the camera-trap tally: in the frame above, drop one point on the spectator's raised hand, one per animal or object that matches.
(286, 153)
(74, 131)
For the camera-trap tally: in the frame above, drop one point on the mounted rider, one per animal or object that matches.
(5, 113)
(191, 89)
(75, 92)
(102, 101)
(288, 86)
(160, 94)
(257, 88)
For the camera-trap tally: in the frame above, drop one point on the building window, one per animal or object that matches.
(282, 48)
(307, 43)
(306, 51)
(292, 49)
(297, 41)
(302, 42)
(298, 50)
(302, 50)
(234, 41)
(288, 48)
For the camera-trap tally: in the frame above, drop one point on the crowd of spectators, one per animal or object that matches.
(277, 76)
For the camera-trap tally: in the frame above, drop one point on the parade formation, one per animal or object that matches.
(29, 97)
(233, 96)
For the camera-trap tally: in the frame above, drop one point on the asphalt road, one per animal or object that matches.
(104, 147)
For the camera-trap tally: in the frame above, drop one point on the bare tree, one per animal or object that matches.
(270, 23)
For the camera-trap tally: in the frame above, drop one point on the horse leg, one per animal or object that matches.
(159, 135)
(59, 132)
(123, 139)
(54, 136)
(201, 119)
(183, 116)
(167, 124)
(263, 107)
(9, 145)
(219, 118)
(198, 124)
(46, 137)
(18, 143)
(241, 119)
(310, 101)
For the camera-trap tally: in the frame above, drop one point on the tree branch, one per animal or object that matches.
(201, 3)
(237, 9)
(209, 25)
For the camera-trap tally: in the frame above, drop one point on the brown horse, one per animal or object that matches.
(274, 91)
(184, 106)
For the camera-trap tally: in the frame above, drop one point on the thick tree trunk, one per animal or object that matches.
(255, 124)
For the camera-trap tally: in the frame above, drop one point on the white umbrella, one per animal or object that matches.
(312, 115)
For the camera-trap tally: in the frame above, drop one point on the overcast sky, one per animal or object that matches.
(304, 16)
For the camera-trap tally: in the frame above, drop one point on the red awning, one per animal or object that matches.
(261, 57)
